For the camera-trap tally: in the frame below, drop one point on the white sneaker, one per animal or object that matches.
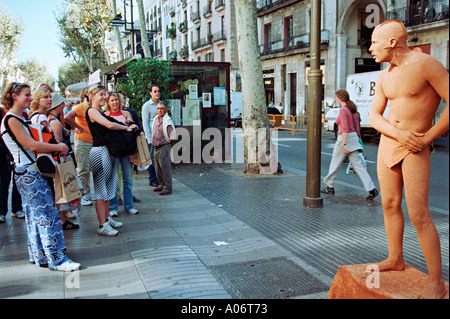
(71, 215)
(85, 201)
(2, 219)
(113, 223)
(19, 214)
(107, 230)
(68, 265)
(132, 211)
(113, 213)
(90, 196)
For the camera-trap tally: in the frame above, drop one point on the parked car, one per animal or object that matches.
(270, 110)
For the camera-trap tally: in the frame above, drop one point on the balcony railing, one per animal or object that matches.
(415, 15)
(202, 43)
(183, 26)
(270, 5)
(207, 11)
(184, 52)
(219, 5)
(219, 36)
(195, 16)
(291, 43)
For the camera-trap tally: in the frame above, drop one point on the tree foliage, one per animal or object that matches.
(94, 17)
(83, 31)
(71, 73)
(35, 73)
(10, 32)
(76, 43)
(142, 73)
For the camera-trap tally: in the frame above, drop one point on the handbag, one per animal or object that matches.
(44, 163)
(66, 183)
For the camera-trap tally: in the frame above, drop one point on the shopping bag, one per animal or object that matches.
(66, 185)
(142, 156)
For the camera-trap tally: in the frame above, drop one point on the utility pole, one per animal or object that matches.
(119, 38)
(314, 115)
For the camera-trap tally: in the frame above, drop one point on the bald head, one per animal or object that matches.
(393, 30)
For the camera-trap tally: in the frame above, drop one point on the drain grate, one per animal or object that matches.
(274, 278)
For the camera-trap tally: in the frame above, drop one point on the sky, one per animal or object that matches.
(40, 39)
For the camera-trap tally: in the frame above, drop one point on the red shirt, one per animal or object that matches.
(345, 122)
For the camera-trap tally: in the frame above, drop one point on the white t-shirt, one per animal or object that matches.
(38, 119)
(20, 159)
(148, 115)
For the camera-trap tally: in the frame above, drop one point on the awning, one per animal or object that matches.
(74, 90)
(109, 69)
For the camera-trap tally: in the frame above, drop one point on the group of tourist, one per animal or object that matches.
(34, 194)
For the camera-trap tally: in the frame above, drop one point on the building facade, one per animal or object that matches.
(205, 30)
(194, 30)
(283, 31)
(347, 26)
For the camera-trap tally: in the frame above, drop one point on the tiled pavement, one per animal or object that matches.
(218, 236)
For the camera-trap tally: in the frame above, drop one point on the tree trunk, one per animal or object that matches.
(259, 153)
(144, 38)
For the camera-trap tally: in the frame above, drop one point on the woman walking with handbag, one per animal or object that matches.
(113, 109)
(46, 244)
(102, 164)
(348, 143)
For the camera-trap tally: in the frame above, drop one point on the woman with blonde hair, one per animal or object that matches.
(46, 244)
(102, 164)
(40, 105)
(113, 109)
(348, 144)
(42, 101)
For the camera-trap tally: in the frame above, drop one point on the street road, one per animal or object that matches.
(292, 156)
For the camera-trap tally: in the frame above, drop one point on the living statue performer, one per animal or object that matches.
(414, 84)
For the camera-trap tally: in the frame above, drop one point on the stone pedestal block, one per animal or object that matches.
(364, 282)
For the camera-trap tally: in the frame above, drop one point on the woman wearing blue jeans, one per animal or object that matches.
(113, 104)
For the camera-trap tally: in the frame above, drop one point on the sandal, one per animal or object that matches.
(68, 225)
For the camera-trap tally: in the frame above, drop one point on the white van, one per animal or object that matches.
(361, 87)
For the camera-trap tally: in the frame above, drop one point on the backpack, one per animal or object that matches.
(45, 162)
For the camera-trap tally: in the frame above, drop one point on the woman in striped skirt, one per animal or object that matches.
(102, 164)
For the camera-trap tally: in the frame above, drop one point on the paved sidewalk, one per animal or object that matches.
(218, 236)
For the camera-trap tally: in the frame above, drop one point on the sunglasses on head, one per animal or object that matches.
(16, 84)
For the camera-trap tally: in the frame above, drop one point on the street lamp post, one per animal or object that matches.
(314, 131)
(118, 22)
